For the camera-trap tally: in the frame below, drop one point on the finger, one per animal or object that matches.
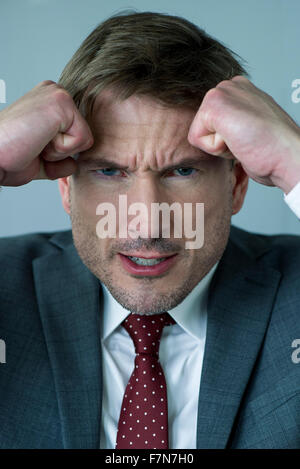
(50, 154)
(209, 142)
(214, 144)
(58, 169)
(42, 173)
(77, 138)
(202, 133)
(21, 177)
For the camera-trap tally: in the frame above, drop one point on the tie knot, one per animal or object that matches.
(146, 330)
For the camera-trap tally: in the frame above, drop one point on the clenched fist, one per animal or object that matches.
(236, 119)
(38, 133)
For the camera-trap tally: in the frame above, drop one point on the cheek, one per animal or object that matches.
(218, 199)
(214, 191)
(86, 209)
(85, 200)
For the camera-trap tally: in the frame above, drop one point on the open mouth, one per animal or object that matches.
(154, 265)
(144, 261)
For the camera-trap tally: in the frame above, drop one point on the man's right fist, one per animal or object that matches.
(38, 133)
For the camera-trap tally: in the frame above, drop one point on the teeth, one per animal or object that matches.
(142, 261)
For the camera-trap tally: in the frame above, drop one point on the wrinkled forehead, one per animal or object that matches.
(140, 132)
(139, 117)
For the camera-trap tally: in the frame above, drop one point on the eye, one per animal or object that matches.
(185, 171)
(108, 172)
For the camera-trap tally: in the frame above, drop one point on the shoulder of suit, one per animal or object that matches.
(261, 241)
(281, 251)
(33, 245)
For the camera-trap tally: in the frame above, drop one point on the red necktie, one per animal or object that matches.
(143, 421)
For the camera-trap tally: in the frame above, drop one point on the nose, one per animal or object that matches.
(143, 196)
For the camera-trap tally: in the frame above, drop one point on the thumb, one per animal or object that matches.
(209, 142)
(57, 169)
(203, 135)
(214, 144)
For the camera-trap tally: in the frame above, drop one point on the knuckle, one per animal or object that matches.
(211, 92)
(193, 135)
(59, 149)
(61, 103)
(240, 78)
(47, 83)
(60, 95)
(214, 94)
(51, 83)
(224, 84)
(84, 142)
(89, 141)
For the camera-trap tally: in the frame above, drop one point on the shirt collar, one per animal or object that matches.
(184, 313)
(196, 301)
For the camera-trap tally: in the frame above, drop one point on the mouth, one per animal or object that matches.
(151, 265)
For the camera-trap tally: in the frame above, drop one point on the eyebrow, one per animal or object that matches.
(104, 162)
(183, 163)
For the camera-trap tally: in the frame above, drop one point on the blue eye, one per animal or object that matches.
(185, 171)
(108, 171)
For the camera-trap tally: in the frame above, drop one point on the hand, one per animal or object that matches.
(38, 133)
(238, 120)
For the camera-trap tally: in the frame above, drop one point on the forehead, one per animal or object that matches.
(139, 117)
(139, 132)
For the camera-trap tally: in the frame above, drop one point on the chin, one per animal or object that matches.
(147, 302)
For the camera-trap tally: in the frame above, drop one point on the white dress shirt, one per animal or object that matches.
(180, 354)
(293, 199)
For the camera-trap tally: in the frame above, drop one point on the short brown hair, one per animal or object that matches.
(159, 55)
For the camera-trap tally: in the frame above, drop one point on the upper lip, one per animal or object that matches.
(152, 255)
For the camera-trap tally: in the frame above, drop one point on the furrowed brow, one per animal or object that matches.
(104, 162)
(100, 162)
(190, 162)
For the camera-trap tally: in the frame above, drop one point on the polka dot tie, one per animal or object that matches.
(143, 419)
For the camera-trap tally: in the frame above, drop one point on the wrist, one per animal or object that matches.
(287, 174)
(290, 180)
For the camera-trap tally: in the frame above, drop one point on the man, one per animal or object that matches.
(158, 112)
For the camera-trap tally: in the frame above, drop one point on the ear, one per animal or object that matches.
(64, 189)
(240, 181)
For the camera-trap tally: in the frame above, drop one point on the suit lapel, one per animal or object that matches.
(240, 301)
(239, 305)
(68, 298)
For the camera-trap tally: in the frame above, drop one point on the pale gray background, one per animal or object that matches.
(38, 37)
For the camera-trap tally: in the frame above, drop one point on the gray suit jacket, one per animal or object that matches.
(50, 385)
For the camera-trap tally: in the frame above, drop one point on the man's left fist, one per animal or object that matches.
(236, 119)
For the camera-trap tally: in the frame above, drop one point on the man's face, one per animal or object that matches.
(141, 150)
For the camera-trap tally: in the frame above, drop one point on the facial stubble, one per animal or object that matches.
(144, 299)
